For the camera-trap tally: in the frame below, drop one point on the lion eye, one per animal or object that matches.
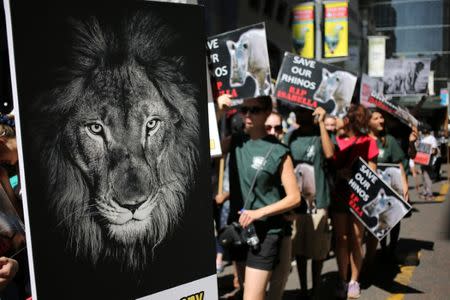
(152, 126)
(95, 128)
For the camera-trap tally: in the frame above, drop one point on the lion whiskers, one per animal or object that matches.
(81, 213)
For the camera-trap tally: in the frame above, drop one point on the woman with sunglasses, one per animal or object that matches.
(262, 187)
(274, 125)
(352, 142)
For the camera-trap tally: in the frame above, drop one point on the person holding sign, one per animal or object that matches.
(262, 187)
(389, 152)
(428, 139)
(310, 146)
(352, 143)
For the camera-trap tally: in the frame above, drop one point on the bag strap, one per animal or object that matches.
(256, 175)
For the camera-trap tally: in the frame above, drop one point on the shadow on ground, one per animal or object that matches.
(383, 276)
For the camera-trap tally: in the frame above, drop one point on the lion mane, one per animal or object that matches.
(118, 148)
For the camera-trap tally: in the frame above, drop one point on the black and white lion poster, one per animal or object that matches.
(407, 76)
(239, 63)
(374, 201)
(113, 132)
(309, 84)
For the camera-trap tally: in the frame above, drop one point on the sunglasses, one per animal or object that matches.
(277, 128)
(250, 109)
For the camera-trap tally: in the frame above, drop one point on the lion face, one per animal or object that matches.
(121, 163)
(119, 133)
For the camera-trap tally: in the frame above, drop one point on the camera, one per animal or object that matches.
(250, 237)
(235, 235)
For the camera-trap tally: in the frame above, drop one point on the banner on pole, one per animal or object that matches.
(112, 130)
(377, 55)
(373, 202)
(239, 63)
(309, 83)
(335, 29)
(303, 29)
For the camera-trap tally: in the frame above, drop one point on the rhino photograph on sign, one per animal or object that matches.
(374, 202)
(309, 83)
(114, 138)
(239, 62)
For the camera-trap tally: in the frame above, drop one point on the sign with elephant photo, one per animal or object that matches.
(408, 76)
(239, 63)
(309, 83)
(374, 202)
(113, 136)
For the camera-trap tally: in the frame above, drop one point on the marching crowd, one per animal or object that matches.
(289, 185)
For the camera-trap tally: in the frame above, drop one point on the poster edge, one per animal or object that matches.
(358, 217)
(14, 89)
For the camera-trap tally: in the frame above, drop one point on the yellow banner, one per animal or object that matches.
(303, 30)
(336, 29)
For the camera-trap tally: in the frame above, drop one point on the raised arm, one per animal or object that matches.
(327, 144)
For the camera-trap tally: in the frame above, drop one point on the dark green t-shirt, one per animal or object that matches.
(308, 149)
(247, 156)
(390, 152)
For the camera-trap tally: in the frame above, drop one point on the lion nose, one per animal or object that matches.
(132, 207)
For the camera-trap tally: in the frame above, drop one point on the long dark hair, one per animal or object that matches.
(382, 134)
(358, 117)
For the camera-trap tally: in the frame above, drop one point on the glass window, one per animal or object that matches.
(409, 13)
(419, 39)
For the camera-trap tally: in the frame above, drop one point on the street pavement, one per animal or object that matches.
(422, 267)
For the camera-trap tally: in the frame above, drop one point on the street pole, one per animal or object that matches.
(318, 24)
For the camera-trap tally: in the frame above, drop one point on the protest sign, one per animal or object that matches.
(379, 101)
(406, 76)
(373, 202)
(310, 84)
(392, 175)
(335, 29)
(423, 156)
(239, 63)
(112, 130)
(214, 138)
(369, 85)
(303, 29)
